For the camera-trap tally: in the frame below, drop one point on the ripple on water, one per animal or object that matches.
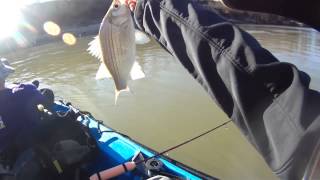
(167, 106)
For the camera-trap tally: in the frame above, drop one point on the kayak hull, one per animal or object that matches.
(116, 148)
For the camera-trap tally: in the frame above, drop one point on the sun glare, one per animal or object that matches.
(69, 39)
(52, 28)
(10, 16)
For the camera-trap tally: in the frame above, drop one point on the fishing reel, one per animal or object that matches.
(152, 168)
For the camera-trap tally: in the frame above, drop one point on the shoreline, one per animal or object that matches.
(82, 18)
(93, 29)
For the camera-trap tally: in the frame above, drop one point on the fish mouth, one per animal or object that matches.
(119, 13)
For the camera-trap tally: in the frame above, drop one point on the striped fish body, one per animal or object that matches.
(117, 43)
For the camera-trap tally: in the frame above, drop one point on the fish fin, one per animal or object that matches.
(141, 38)
(117, 93)
(136, 71)
(94, 48)
(103, 72)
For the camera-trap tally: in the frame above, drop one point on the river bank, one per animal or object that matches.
(82, 18)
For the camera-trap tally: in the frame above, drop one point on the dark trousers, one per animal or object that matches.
(270, 101)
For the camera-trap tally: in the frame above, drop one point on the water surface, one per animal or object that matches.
(168, 106)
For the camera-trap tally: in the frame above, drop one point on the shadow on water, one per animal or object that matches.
(168, 106)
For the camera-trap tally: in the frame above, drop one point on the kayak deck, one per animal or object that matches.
(116, 148)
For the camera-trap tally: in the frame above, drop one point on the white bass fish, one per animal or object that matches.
(115, 46)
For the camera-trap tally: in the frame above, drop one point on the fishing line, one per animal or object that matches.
(165, 151)
(131, 165)
(183, 143)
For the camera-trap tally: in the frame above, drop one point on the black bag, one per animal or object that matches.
(61, 149)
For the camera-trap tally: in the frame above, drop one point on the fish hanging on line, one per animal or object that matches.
(115, 47)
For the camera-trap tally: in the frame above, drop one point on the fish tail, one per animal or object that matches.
(117, 93)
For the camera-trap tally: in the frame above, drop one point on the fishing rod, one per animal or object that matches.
(129, 166)
(183, 143)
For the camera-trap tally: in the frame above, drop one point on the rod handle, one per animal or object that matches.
(114, 171)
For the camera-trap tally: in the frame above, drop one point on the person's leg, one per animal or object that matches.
(270, 101)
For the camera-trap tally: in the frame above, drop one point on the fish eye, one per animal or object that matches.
(116, 6)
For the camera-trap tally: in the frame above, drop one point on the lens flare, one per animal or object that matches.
(52, 28)
(29, 27)
(20, 39)
(69, 39)
(10, 17)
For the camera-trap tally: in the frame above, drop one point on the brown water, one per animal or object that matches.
(168, 106)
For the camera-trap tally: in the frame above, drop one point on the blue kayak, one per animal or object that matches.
(116, 148)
